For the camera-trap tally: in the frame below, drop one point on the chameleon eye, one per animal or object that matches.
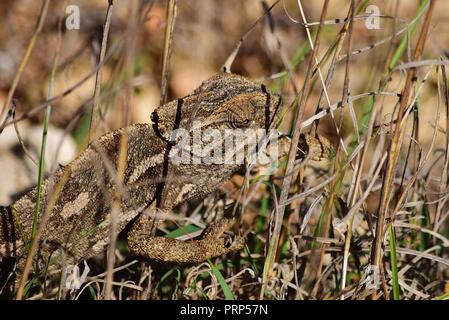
(243, 123)
(258, 102)
(237, 122)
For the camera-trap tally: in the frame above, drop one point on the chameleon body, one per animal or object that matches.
(83, 192)
(78, 222)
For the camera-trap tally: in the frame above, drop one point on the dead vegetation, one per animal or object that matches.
(370, 223)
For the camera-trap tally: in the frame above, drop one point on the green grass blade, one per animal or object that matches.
(40, 178)
(226, 290)
(444, 296)
(183, 231)
(394, 263)
(403, 45)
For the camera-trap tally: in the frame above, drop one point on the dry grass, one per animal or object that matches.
(313, 228)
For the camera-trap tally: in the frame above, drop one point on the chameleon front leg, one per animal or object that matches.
(213, 243)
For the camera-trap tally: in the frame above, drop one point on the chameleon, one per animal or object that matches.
(79, 218)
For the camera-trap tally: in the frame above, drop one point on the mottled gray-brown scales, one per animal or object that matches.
(79, 221)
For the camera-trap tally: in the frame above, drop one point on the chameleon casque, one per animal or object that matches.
(78, 223)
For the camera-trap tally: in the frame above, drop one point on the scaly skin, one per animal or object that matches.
(79, 220)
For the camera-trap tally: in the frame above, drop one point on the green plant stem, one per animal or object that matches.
(394, 262)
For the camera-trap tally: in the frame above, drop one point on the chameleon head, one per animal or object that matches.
(242, 104)
(224, 101)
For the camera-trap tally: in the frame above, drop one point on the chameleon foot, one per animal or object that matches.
(213, 243)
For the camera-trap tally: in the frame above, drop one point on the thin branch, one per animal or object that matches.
(171, 19)
(95, 116)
